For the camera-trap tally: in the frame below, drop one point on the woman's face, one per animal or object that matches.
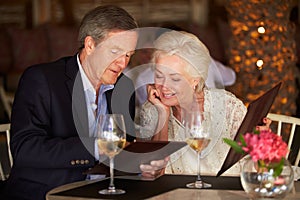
(174, 85)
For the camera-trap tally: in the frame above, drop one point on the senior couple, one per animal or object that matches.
(56, 105)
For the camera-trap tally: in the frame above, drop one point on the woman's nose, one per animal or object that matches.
(166, 85)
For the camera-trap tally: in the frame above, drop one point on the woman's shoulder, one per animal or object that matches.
(229, 97)
(222, 92)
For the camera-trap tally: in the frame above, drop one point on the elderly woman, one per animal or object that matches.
(181, 68)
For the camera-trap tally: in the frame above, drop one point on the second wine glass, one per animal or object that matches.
(111, 139)
(198, 129)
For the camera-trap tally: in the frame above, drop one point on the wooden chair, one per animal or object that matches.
(6, 128)
(293, 122)
(7, 101)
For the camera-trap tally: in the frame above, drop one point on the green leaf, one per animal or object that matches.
(234, 145)
(242, 139)
(255, 131)
(278, 169)
(261, 164)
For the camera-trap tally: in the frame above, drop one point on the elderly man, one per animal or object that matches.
(57, 103)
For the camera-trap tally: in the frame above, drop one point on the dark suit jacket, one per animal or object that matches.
(49, 130)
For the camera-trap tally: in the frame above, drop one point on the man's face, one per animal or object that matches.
(110, 57)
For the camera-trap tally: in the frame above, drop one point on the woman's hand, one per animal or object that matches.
(153, 95)
(154, 98)
(155, 168)
(161, 132)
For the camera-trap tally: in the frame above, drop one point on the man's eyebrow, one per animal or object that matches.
(116, 47)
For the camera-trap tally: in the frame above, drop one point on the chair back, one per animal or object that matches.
(7, 101)
(5, 128)
(293, 122)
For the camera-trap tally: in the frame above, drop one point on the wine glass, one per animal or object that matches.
(111, 139)
(198, 129)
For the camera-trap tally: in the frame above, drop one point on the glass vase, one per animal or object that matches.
(266, 182)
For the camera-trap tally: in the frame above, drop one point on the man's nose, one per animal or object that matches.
(122, 61)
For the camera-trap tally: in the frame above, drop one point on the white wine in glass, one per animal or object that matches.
(198, 129)
(111, 139)
(198, 144)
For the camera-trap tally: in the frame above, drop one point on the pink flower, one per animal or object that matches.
(266, 146)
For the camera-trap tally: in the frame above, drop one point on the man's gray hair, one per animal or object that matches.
(103, 19)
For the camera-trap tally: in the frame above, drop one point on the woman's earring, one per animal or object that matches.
(194, 87)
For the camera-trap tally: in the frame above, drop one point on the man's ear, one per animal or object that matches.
(89, 44)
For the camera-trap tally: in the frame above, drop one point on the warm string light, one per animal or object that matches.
(261, 30)
(262, 50)
(259, 64)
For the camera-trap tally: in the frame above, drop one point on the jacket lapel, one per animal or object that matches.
(75, 89)
(71, 72)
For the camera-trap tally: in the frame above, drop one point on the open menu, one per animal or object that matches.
(137, 153)
(128, 161)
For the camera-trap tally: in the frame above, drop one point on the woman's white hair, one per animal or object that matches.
(188, 47)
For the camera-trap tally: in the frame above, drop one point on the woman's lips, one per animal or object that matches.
(168, 95)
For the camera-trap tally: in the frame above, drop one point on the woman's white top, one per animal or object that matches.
(227, 113)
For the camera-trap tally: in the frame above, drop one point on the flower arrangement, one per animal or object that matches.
(265, 148)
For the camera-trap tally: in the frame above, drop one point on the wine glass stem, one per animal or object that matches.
(111, 172)
(198, 167)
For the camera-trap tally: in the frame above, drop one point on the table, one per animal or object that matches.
(165, 187)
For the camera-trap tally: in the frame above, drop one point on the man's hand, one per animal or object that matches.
(155, 169)
(266, 127)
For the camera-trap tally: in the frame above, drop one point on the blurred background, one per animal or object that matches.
(258, 39)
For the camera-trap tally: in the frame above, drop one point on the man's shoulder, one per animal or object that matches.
(53, 72)
(54, 66)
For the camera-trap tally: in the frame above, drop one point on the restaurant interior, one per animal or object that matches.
(259, 40)
(230, 29)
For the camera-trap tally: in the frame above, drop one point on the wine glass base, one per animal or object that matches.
(199, 184)
(111, 191)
